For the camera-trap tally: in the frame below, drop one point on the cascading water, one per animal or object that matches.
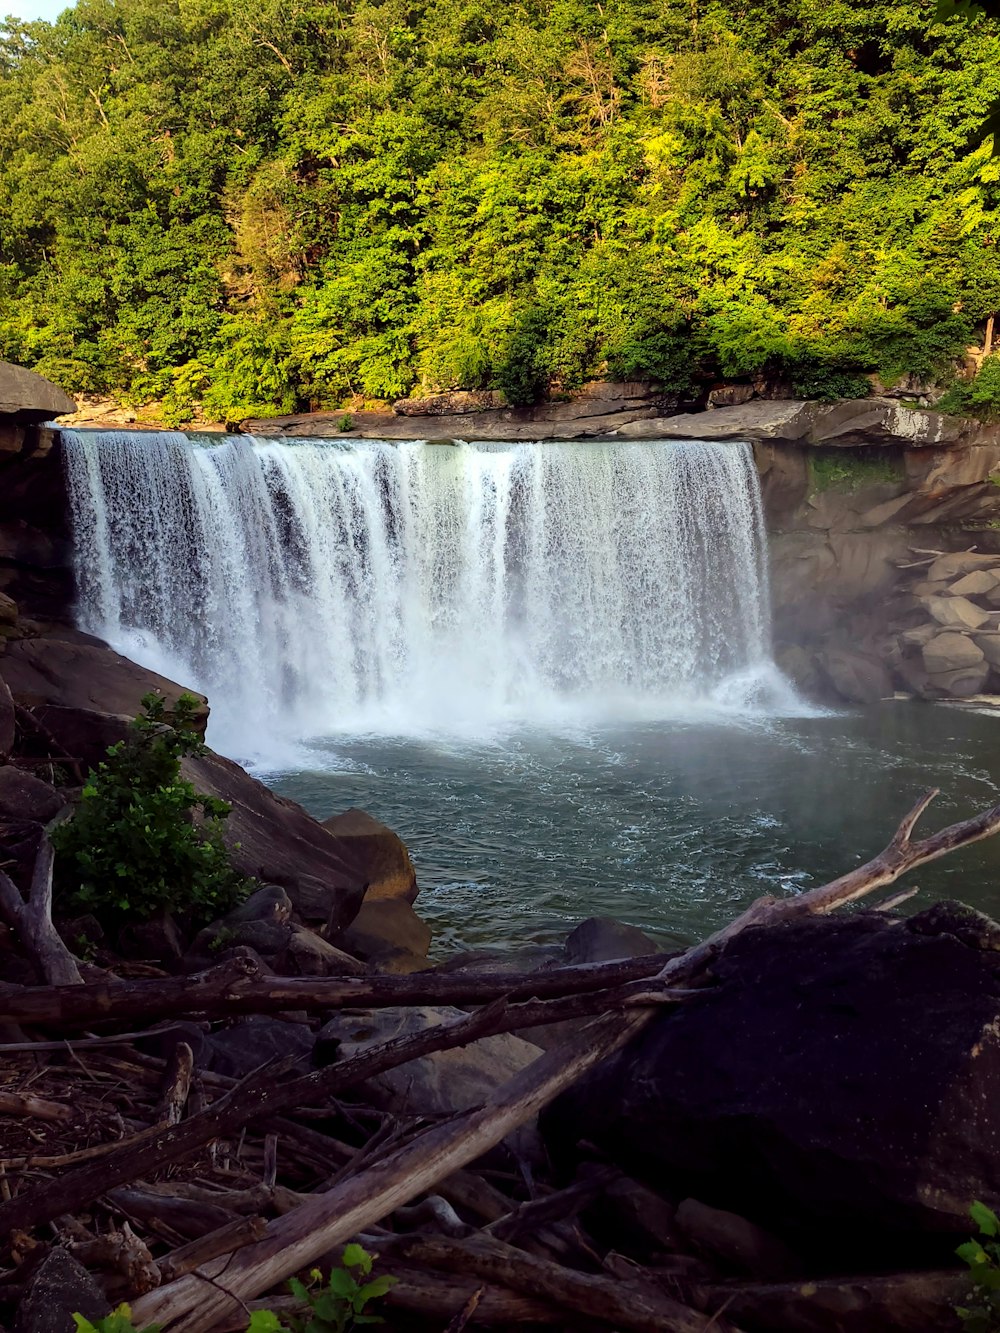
(329, 587)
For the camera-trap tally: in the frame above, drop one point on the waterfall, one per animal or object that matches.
(331, 586)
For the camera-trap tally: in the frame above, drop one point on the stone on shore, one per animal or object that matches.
(378, 856)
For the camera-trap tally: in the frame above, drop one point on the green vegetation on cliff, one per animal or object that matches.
(268, 205)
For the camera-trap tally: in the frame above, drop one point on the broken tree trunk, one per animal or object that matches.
(241, 987)
(31, 921)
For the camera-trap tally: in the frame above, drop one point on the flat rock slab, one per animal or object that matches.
(31, 396)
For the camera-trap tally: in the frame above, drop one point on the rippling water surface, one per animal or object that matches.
(672, 826)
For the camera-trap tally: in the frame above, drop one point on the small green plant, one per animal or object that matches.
(118, 1321)
(341, 1302)
(336, 1306)
(982, 1314)
(346, 422)
(133, 848)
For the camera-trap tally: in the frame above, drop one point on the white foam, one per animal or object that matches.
(331, 588)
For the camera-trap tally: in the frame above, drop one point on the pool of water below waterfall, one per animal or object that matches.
(672, 826)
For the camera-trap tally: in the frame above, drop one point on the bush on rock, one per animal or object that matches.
(143, 840)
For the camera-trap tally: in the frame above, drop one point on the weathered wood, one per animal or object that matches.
(16, 1103)
(188, 1217)
(226, 1240)
(266, 1093)
(196, 1302)
(31, 921)
(176, 1085)
(635, 1305)
(240, 987)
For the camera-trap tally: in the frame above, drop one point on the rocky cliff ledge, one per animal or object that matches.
(884, 528)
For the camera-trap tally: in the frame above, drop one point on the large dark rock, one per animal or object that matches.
(60, 1288)
(24, 797)
(73, 672)
(840, 1085)
(31, 397)
(275, 840)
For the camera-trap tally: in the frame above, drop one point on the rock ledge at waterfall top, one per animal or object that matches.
(639, 412)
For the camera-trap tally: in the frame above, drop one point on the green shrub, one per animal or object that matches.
(133, 848)
(979, 397)
(827, 384)
(850, 469)
(982, 1314)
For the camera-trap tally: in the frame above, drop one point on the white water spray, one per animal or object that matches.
(330, 587)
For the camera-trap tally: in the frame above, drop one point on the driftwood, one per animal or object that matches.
(640, 1306)
(31, 921)
(239, 986)
(196, 1302)
(14, 1103)
(267, 1093)
(177, 1084)
(226, 1240)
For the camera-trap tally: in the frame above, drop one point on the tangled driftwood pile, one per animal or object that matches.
(195, 1196)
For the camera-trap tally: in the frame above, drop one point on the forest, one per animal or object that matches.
(246, 207)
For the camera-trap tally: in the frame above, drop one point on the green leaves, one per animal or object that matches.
(341, 1303)
(982, 1314)
(133, 849)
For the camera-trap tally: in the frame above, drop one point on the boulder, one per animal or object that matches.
(977, 583)
(248, 1043)
(83, 733)
(956, 612)
(962, 683)
(443, 1083)
(601, 939)
(275, 840)
(262, 923)
(990, 646)
(837, 1085)
(952, 652)
(730, 395)
(60, 1288)
(29, 396)
(307, 954)
(378, 856)
(857, 677)
(958, 563)
(8, 610)
(387, 933)
(24, 797)
(83, 675)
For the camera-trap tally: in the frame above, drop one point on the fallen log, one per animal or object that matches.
(239, 986)
(16, 1103)
(300, 1238)
(636, 1305)
(265, 1093)
(195, 1303)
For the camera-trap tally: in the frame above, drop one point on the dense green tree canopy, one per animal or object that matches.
(262, 204)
